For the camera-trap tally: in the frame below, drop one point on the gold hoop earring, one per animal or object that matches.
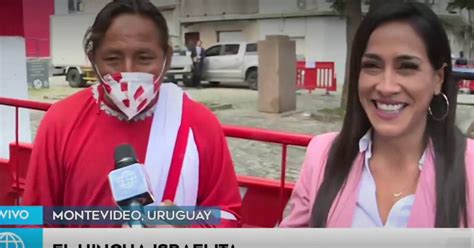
(447, 109)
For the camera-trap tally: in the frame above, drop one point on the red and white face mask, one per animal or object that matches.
(131, 92)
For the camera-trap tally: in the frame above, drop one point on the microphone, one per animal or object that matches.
(129, 182)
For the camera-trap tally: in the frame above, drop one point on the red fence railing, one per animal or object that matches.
(254, 134)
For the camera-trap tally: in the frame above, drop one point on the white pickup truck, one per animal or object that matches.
(181, 68)
(235, 62)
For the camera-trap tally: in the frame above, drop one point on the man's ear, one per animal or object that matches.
(439, 79)
(90, 56)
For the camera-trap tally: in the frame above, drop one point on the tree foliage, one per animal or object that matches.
(454, 5)
(338, 6)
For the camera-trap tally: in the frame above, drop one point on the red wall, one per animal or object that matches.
(11, 18)
(30, 19)
(36, 15)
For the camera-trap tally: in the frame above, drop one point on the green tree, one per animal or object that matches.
(468, 5)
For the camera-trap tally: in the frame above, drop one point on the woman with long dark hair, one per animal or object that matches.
(399, 160)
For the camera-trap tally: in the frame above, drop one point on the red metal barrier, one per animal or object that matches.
(300, 74)
(7, 193)
(326, 76)
(255, 204)
(261, 193)
(467, 85)
(320, 76)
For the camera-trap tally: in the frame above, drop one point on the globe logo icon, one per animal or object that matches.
(127, 180)
(10, 240)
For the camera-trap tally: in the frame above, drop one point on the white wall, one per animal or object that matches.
(94, 6)
(218, 7)
(208, 31)
(231, 36)
(60, 7)
(66, 42)
(172, 21)
(291, 6)
(456, 41)
(324, 38)
(13, 85)
(164, 2)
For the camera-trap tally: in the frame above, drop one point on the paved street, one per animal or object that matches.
(315, 115)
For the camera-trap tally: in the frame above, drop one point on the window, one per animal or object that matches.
(251, 48)
(179, 52)
(213, 51)
(231, 49)
(75, 6)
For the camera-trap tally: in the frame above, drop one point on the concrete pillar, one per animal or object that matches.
(276, 74)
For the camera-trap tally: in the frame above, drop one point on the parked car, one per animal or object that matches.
(181, 68)
(235, 62)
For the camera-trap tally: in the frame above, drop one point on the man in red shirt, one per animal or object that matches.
(179, 140)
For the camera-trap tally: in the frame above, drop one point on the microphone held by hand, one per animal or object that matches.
(129, 181)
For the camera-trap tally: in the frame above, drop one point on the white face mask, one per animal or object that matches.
(131, 92)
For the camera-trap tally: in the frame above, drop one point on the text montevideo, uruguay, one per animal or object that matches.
(125, 215)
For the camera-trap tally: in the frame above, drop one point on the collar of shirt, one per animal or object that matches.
(365, 145)
(367, 213)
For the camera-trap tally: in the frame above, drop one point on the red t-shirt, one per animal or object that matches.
(74, 152)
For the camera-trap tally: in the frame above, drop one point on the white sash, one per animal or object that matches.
(164, 129)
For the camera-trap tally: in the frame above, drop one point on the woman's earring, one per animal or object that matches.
(447, 109)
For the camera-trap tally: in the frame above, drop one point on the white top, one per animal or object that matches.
(367, 212)
(198, 52)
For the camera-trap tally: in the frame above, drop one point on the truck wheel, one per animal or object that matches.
(75, 78)
(214, 83)
(252, 79)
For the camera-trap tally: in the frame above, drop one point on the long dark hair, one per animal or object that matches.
(448, 141)
(103, 20)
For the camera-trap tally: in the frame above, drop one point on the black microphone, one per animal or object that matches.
(129, 182)
(124, 156)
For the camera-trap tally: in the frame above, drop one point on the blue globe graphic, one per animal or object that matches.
(10, 240)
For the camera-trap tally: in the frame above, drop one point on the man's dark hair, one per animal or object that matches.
(94, 36)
